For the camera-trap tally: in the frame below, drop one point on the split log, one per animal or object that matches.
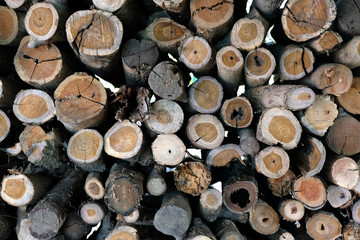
(212, 19)
(328, 42)
(175, 6)
(166, 117)
(42, 67)
(282, 186)
(312, 157)
(344, 136)
(74, 227)
(167, 219)
(94, 187)
(349, 53)
(349, 100)
(281, 234)
(197, 55)
(167, 81)
(291, 210)
(338, 197)
(92, 212)
(264, 219)
(192, 178)
(347, 21)
(12, 26)
(156, 182)
(85, 149)
(5, 125)
(323, 226)
(20, 190)
(205, 131)
(211, 202)
(123, 232)
(168, 149)
(304, 20)
(138, 59)
(123, 189)
(351, 231)
(279, 125)
(80, 101)
(259, 65)
(272, 162)
(223, 155)
(225, 229)
(331, 78)
(33, 106)
(248, 142)
(95, 37)
(292, 97)
(320, 115)
(205, 95)
(49, 213)
(9, 87)
(355, 212)
(237, 112)
(199, 230)
(267, 8)
(309, 191)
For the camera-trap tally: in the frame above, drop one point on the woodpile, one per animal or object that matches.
(185, 119)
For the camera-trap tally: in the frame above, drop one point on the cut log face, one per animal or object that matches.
(240, 196)
(5, 125)
(260, 63)
(205, 131)
(211, 202)
(15, 3)
(326, 43)
(272, 162)
(223, 155)
(343, 171)
(349, 53)
(176, 6)
(92, 213)
(304, 20)
(355, 212)
(206, 95)
(156, 182)
(237, 112)
(349, 100)
(282, 186)
(123, 232)
(33, 106)
(123, 140)
(310, 191)
(80, 102)
(168, 149)
(264, 219)
(109, 5)
(278, 125)
(94, 188)
(291, 210)
(323, 226)
(133, 217)
(9, 25)
(338, 197)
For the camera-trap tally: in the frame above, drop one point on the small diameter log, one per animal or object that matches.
(133, 217)
(92, 212)
(351, 231)
(205, 131)
(323, 226)
(320, 115)
(80, 101)
(292, 97)
(355, 212)
(197, 55)
(350, 99)
(212, 19)
(168, 150)
(272, 162)
(282, 186)
(74, 227)
(249, 33)
(264, 219)
(211, 202)
(304, 20)
(328, 42)
(138, 59)
(175, 6)
(295, 62)
(199, 231)
(5, 125)
(349, 53)
(225, 229)
(281, 234)
(49, 213)
(167, 81)
(309, 191)
(223, 155)
(205, 95)
(237, 112)
(12, 26)
(338, 197)
(259, 65)
(344, 136)
(279, 125)
(192, 178)
(33, 106)
(123, 232)
(166, 117)
(248, 142)
(20, 189)
(311, 157)
(156, 181)
(291, 210)
(85, 149)
(167, 219)
(230, 64)
(268, 8)
(331, 78)
(94, 187)
(98, 53)
(124, 190)
(42, 67)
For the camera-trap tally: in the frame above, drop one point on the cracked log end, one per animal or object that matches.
(168, 149)
(264, 219)
(8, 25)
(223, 155)
(310, 191)
(237, 112)
(350, 99)
(343, 171)
(4, 126)
(291, 210)
(272, 162)
(323, 225)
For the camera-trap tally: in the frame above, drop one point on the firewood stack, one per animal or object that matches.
(185, 119)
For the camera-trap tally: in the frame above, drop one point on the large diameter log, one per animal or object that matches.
(174, 216)
(124, 190)
(248, 142)
(168, 149)
(211, 202)
(264, 219)
(92, 212)
(237, 112)
(349, 53)
(291, 210)
(5, 125)
(42, 67)
(349, 100)
(272, 162)
(93, 186)
(225, 229)
(323, 226)
(279, 125)
(199, 230)
(49, 213)
(95, 37)
(347, 21)
(12, 26)
(282, 186)
(156, 181)
(328, 42)
(304, 20)
(80, 101)
(223, 155)
(212, 19)
(338, 197)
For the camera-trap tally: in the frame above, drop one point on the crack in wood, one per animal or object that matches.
(211, 7)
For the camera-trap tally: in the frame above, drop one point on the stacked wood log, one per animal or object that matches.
(185, 119)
